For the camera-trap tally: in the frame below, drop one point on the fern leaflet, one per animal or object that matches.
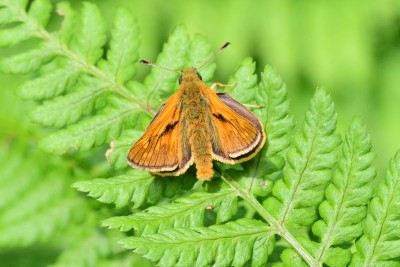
(33, 198)
(218, 244)
(347, 196)
(309, 163)
(85, 80)
(380, 243)
(132, 187)
(183, 212)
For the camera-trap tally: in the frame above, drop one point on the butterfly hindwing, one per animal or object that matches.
(240, 134)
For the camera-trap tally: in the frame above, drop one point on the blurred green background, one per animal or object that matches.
(352, 48)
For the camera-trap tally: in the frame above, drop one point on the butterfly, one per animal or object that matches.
(197, 125)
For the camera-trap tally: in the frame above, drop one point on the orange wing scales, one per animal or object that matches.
(158, 150)
(197, 125)
(233, 122)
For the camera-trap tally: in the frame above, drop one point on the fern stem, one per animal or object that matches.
(93, 70)
(279, 229)
(46, 36)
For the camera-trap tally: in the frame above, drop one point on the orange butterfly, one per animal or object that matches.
(197, 125)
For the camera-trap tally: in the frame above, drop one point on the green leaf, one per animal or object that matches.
(89, 248)
(90, 36)
(15, 4)
(90, 132)
(309, 163)
(244, 90)
(183, 212)
(90, 98)
(34, 197)
(122, 57)
(28, 61)
(68, 109)
(380, 244)
(121, 190)
(232, 244)
(272, 95)
(335, 256)
(291, 258)
(173, 57)
(50, 84)
(15, 35)
(40, 11)
(274, 114)
(68, 25)
(199, 51)
(245, 82)
(6, 17)
(348, 195)
(119, 148)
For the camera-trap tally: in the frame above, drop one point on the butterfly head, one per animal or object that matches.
(190, 75)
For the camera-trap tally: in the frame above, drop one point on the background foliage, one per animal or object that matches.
(349, 47)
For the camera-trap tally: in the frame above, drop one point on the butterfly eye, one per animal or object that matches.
(180, 79)
(199, 76)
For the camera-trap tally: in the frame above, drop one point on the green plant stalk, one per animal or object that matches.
(62, 50)
(279, 229)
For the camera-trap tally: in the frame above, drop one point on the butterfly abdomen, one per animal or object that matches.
(198, 115)
(200, 142)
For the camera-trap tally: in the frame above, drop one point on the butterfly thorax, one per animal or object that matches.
(196, 120)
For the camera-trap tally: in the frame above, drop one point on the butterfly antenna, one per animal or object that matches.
(213, 56)
(148, 62)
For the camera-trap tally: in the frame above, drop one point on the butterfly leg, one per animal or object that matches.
(252, 106)
(214, 85)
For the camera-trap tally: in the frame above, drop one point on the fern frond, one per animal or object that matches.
(172, 56)
(27, 62)
(93, 131)
(309, 162)
(72, 75)
(90, 37)
(183, 212)
(68, 109)
(380, 243)
(119, 148)
(200, 50)
(347, 196)
(290, 258)
(88, 96)
(271, 95)
(123, 55)
(245, 82)
(279, 123)
(274, 113)
(231, 244)
(39, 12)
(120, 190)
(49, 84)
(68, 24)
(89, 248)
(125, 261)
(35, 203)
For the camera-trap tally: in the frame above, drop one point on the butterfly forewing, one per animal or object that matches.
(159, 149)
